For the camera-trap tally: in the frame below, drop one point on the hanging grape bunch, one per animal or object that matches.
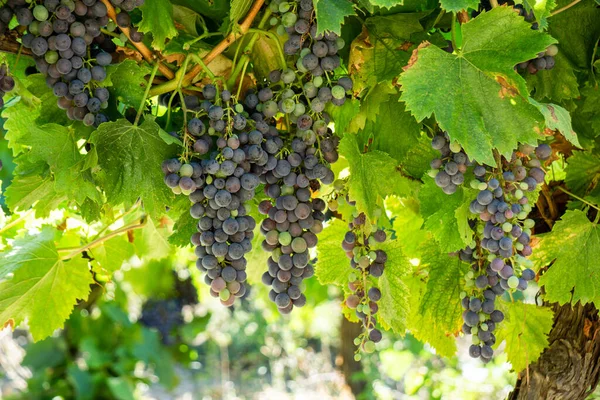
(500, 250)
(448, 170)
(226, 157)
(368, 264)
(7, 83)
(71, 50)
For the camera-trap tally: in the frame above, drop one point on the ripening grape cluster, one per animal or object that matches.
(71, 50)
(218, 186)
(498, 254)
(164, 315)
(448, 170)
(7, 83)
(368, 263)
(544, 60)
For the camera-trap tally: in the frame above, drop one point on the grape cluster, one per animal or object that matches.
(448, 170)
(544, 60)
(164, 315)
(7, 83)
(71, 50)
(294, 217)
(218, 186)
(368, 263)
(500, 250)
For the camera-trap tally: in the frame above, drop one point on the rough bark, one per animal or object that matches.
(351, 368)
(569, 369)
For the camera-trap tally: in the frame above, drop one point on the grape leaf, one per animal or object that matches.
(476, 95)
(525, 331)
(343, 115)
(557, 84)
(239, 8)
(590, 108)
(406, 223)
(25, 191)
(441, 300)
(583, 173)
(386, 3)
(574, 244)
(331, 14)
(394, 304)
(128, 83)
(446, 216)
(542, 10)
(157, 18)
(366, 169)
(420, 325)
(184, 228)
(26, 250)
(458, 5)
(578, 39)
(42, 290)
(557, 118)
(109, 256)
(333, 266)
(188, 19)
(130, 157)
(382, 49)
(151, 240)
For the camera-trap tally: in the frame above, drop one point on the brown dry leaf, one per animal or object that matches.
(506, 89)
(415, 55)
(587, 326)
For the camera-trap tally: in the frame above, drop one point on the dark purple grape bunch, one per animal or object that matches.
(165, 316)
(70, 49)
(448, 170)
(7, 83)
(544, 61)
(368, 263)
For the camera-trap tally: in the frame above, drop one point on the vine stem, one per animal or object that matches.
(100, 240)
(579, 198)
(494, 3)
(143, 103)
(141, 47)
(565, 8)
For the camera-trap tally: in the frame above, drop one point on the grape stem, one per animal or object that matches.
(141, 47)
(101, 240)
(579, 198)
(148, 86)
(494, 3)
(565, 8)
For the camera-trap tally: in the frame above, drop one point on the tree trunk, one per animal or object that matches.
(569, 368)
(350, 367)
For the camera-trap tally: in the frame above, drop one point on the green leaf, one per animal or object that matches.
(386, 3)
(394, 305)
(109, 256)
(188, 18)
(557, 84)
(239, 8)
(583, 173)
(542, 10)
(476, 95)
(366, 169)
(441, 301)
(574, 244)
(420, 325)
(458, 5)
(446, 216)
(157, 18)
(343, 115)
(26, 191)
(557, 118)
(128, 83)
(382, 49)
(333, 266)
(27, 250)
(130, 157)
(406, 223)
(525, 331)
(257, 259)
(43, 290)
(184, 228)
(578, 39)
(331, 14)
(151, 240)
(120, 388)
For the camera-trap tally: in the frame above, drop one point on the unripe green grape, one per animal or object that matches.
(299, 109)
(529, 223)
(288, 105)
(474, 330)
(357, 357)
(482, 186)
(186, 170)
(318, 81)
(340, 43)
(518, 194)
(523, 186)
(527, 208)
(432, 173)
(280, 30)
(51, 57)
(284, 6)
(186, 192)
(357, 341)
(239, 108)
(289, 19)
(40, 13)
(176, 190)
(285, 238)
(372, 255)
(474, 184)
(338, 92)
(463, 294)
(369, 346)
(455, 147)
(111, 26)
(352, 277)
(224, 294)
(519, 246)
(300, 67)
(482, 316)
(209, 179)
(507, 227)
(333, 205)
(552, 50)
(470, 275)
(33, 28)
(475, 339)
(273, 21)
(364, 261)
(513, 282)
